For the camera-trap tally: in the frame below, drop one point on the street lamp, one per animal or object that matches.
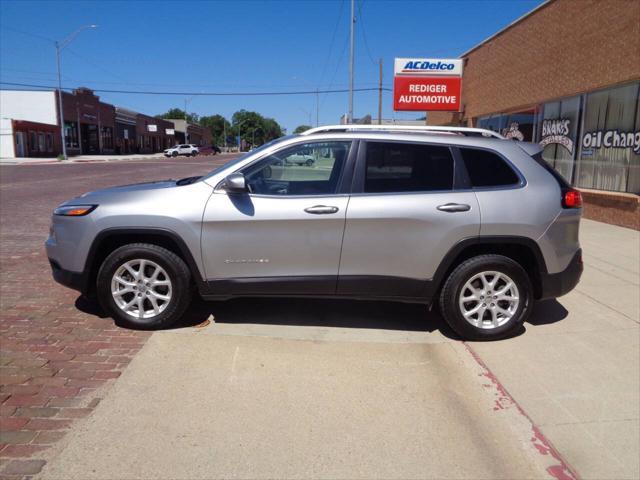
(239, 135)
(253, 137)
(59, 46)
(186, 122)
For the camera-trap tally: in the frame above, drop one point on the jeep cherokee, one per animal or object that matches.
(458, 217)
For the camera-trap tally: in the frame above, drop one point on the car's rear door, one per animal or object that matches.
(404, 215)
(283, 236)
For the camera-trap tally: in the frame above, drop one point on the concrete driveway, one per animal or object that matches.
(313, 389)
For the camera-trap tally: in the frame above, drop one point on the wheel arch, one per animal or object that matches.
(108, 240)
(522, 250)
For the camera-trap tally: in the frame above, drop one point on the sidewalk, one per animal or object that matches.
(79, 158)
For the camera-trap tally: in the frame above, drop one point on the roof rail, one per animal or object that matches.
(405, 128)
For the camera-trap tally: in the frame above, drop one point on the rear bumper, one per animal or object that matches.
(74, 280)
(557, 284)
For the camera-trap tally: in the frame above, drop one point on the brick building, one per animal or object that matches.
(154, 134)
(566, 75)
(88, 123)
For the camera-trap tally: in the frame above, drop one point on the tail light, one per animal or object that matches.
(571, 198)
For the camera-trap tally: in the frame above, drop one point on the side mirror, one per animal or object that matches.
(235, 183)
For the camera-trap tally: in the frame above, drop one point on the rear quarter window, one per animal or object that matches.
(487, 169)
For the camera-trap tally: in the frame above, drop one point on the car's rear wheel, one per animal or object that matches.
(486, 297)
(144, 286)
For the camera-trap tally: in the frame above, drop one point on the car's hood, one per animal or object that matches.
(134, 187)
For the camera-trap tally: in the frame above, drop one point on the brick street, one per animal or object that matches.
(57, 355)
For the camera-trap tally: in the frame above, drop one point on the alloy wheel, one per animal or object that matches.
(489, 299)
(141, 288)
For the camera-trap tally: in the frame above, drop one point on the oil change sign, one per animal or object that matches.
(427, 84)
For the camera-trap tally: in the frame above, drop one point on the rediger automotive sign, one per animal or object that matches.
(427, 84)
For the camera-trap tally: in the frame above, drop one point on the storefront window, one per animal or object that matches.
(107, 137)
(515, 125)
(41, 144)
(71, 134)
(33, 142)
(558, 134)
(610, 140)
(49, 141)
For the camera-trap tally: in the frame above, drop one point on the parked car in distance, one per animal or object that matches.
(458, 218)
(209, 150)
(187, 149)
(300, 158)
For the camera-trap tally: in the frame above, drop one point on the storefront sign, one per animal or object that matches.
(152, 128)
(556, 131)
(169, 131)
(427, 84)
(126, 134)
(612, 139)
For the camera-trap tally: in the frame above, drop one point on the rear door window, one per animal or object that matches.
(487, 169)
(407, 167)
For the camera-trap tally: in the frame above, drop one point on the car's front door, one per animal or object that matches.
(284, 235)
(404, 216)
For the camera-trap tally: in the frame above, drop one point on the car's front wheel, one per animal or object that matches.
(144, 286)
(174, 154)
(486, 297)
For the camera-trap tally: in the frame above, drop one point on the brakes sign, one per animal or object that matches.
(425, 84)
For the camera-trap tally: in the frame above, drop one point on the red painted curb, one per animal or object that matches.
(561, 471)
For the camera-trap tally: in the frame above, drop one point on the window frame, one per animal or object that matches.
(359, 177)
(344, 182)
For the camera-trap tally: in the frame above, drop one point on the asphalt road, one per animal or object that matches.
(329, 389)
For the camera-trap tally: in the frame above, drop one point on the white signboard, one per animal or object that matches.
(429, 67)
(152, 128)
(126, 134)
(169, 131)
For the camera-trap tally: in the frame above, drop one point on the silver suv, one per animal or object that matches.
(456, 217)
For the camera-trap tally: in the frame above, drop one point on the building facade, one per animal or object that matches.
(196, 134)
(28, 124)
(89, 124)
(566, 75)
(154, 134)
(125, 124)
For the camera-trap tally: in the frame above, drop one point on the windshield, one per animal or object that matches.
(243, 157)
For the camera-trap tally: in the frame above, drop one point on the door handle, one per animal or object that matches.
(454, 207)
(321, 210)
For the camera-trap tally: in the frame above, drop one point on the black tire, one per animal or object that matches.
(452, 289)
(174, 154)
(309, 163)
(176, 270)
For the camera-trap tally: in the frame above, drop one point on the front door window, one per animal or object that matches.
(306, 169)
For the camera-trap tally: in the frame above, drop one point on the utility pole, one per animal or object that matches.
(59, 46)
(186, 123)
(317, 108)
(352, 21)
(380, 96)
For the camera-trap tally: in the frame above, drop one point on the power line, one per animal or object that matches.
(333, 37)
(203, 94)
(364, 35)
(41, 37)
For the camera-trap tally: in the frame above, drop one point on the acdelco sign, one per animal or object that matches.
(427, 84)
(427, 67)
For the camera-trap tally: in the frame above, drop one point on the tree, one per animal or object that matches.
(178, 114)
(218, 125)
(301, 128)
(254, 128)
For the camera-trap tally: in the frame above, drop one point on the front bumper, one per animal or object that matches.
(74, 280)
(557, 284)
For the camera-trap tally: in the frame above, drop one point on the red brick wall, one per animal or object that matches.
(564, 48)
(621, 209)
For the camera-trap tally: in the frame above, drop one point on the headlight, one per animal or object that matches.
(74, 210)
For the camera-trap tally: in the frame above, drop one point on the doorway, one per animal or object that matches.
(20, 144)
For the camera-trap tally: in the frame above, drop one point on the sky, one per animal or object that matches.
(193, 47)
